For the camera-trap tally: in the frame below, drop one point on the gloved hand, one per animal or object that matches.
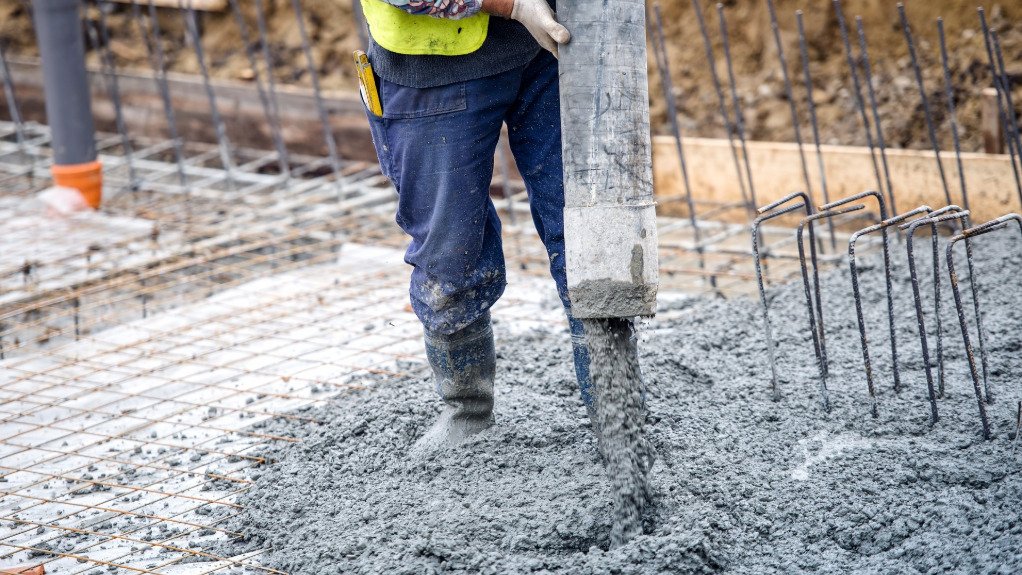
(541, 22)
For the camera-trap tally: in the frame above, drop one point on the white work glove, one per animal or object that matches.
(541, 22)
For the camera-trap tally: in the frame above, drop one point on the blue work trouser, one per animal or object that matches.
(437, 146)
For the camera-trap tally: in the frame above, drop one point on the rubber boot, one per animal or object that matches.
(464, 365)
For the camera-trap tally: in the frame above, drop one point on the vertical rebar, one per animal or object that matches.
(783, 62)
(663, 63)
(324, 119)
(102, 44)
(223, 142)
(857, 295)
(949, 95)
(153, 39)
(887, 265)
(1012, 126)
(815, 310)
(931, 389)
(271, 118)
(1000, 89)
(981, 399)
(15, 113)
(867, 76)
(931, 131)
(721, 103)
(271, 81)
(946, 214)
(765, 215)
(860, 104)
(736, 102)
(804, 53)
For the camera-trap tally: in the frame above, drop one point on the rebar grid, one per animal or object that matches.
(126, 432)
(60, 294)
(245, 361)
(194, 382)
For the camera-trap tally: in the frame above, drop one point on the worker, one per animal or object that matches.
(449, 74)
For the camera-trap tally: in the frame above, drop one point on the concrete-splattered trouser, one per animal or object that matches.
(449, 74)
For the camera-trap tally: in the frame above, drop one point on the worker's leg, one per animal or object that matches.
(534, 127)
(437, 145)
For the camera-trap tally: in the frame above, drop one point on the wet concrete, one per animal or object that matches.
(742, 484)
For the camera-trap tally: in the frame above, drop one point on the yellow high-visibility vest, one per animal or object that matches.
(404, 33)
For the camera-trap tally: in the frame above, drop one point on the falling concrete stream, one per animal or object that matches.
(741, 483)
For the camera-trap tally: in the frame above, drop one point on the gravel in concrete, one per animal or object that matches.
(742, 484)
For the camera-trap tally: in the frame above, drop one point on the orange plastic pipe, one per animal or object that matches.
(24, 570)
(86, 178)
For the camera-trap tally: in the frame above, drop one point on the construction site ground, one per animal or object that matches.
(743, 483)
(767, 118)
(167, 402)
(220, 371)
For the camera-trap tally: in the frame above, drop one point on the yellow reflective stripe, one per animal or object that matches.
(404, 33)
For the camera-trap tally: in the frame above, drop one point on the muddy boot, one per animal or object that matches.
(464, 365)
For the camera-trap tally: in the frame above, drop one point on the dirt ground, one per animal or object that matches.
(767, 116)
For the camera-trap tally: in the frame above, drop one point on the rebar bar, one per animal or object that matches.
(935, 217)
(964, 217)
(857, 295)
(815, 309)
(867, 76)
(736, 102)
(1000, 87)
(271, 118)
(15, 113)
(982, 398)
(324, 118)
(804, 54)
(767, 213)
(663, 63)
(927, 113)
(949, 95)
(860, 104)
(153, 40)
(783, 62)
(815, 313)
(887, 263)
(1012, 126)
(223, 141)
(711, 61)
(109, 70)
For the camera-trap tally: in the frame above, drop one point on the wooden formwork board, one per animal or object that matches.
(777, 171)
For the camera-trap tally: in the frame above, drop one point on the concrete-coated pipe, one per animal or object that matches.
(610, 214)
(58, 27)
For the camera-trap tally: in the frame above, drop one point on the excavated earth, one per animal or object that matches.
(743, 483)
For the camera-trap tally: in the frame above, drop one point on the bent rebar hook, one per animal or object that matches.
(945, 214)
(993, 225)
(765, 215)
(856, 294)
(816, 312)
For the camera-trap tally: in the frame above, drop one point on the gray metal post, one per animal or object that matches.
(68, 102)
(609, 214)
